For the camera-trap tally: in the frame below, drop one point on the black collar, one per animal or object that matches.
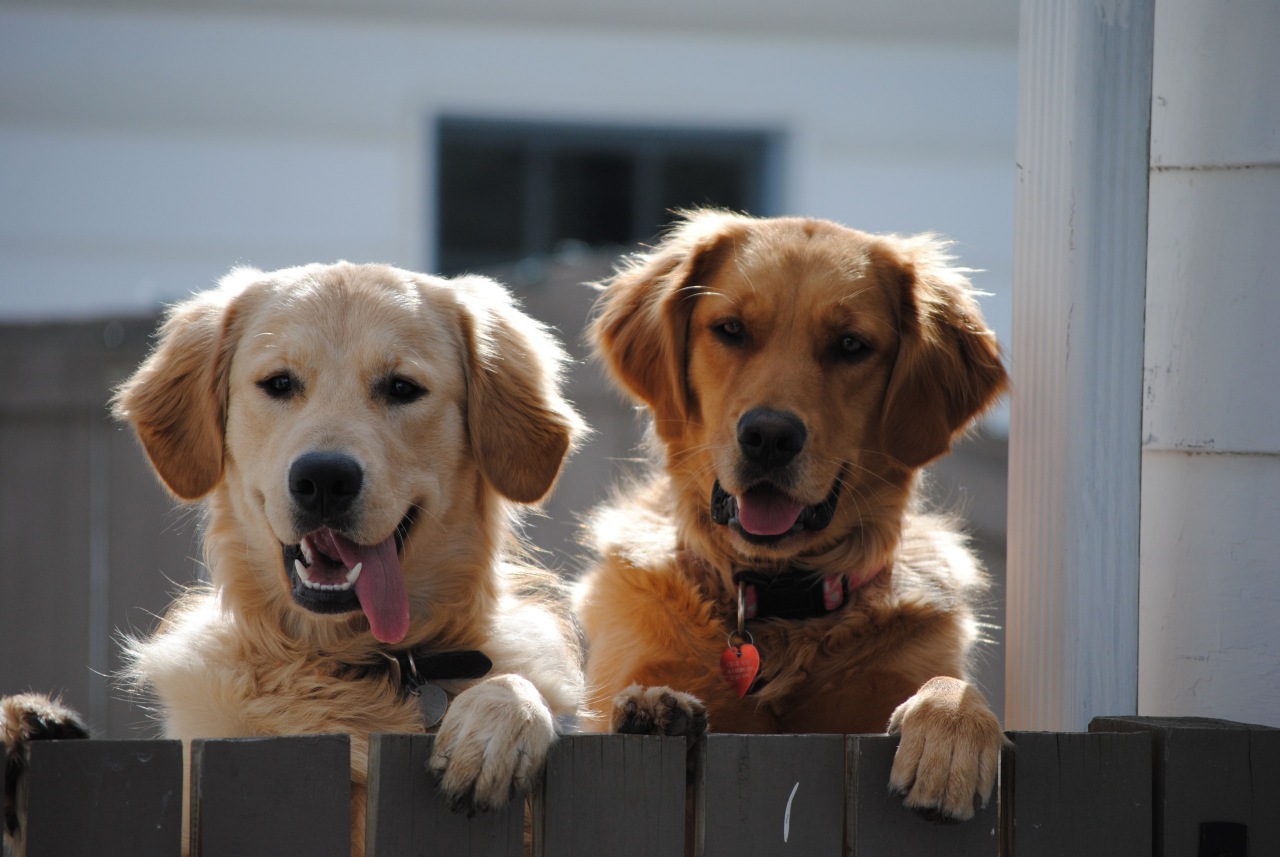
(410, 669)
(796, 594)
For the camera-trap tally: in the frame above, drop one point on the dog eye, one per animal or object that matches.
(280, 386)
(401, 391)
(850, 347)
(731, 331)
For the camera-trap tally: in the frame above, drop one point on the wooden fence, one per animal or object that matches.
(1129, 787)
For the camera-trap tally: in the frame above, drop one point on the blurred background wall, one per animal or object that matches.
(147, 147)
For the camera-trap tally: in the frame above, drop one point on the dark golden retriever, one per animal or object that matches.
(360, 437)
(799, 374)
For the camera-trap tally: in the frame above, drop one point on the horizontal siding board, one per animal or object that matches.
(1213, 73)
(1210, 600)
(1213, 301)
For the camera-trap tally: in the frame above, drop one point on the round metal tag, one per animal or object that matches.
(432, 702)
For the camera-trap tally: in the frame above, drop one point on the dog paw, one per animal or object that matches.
(36, 717)
(658, 711)
(24, 718)
(949, 751)
(492, 744)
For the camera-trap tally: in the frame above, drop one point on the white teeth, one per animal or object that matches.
(305, 577)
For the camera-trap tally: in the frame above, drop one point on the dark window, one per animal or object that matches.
(512, 190)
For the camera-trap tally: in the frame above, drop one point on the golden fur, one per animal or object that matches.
(480, 424)
(876, 346)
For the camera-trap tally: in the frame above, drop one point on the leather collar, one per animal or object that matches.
(795, 594)
(410, 669)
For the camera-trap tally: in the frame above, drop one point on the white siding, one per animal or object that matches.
(1210, 605)
(1210, 587)
(144, 152)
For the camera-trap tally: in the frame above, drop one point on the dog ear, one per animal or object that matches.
(641, 327)
(177, 399)
(521, 427)
(948, 368)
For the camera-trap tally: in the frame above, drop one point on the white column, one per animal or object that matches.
(1076, 361)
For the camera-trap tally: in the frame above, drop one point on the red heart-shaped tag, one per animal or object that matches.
(739, 667)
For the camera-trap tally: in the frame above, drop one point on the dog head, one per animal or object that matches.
(356, 428)
(798, 373)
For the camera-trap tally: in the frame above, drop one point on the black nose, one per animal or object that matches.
(325, 483)
(770, 438)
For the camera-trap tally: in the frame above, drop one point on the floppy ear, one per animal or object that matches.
(177, 399)
(641, 326)
(521, 427)
(948, 368)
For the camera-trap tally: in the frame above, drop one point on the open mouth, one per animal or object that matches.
(765, 514)
(331, 574)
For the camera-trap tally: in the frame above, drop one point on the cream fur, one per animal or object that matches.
(239, 657)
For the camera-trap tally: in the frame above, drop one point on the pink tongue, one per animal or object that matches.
(380, 586)
(767, 511)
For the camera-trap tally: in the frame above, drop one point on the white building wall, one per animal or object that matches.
(143, 152)
(1209, 641)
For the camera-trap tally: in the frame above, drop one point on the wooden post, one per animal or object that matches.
(621, 795)
(771, 795)
(1066, 794)
(878, 824)
(264, 797)
(1214, 782)
(104, 798)
(407, 814)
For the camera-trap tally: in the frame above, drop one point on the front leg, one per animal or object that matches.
(492, 743)
(950, 749)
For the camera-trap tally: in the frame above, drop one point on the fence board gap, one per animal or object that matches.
(1207, 775)
(104, 798)
(263, 797)
(770, 795)
(1064, 794)
(621, 795)
(408, 816)
(878, 825)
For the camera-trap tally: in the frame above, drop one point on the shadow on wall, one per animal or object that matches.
(94, 546)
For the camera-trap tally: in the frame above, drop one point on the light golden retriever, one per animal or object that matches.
(799, 374)
(359, 436)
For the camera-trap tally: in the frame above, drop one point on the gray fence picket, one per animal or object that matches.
(770, 795)
(1065, 794)
(1216, 784)
(104, 798)
(878, 824)
(408, 817)
(264, 797)
(621, 795)
(1132, 786)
